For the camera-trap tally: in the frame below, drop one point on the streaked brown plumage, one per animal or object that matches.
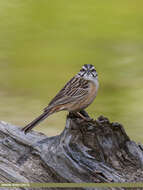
(76, 95)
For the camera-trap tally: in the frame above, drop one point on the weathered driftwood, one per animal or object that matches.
(92, 151)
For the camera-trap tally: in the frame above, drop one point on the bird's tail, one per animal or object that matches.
(31, 125)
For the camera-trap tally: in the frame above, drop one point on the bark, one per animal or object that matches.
(86, 151)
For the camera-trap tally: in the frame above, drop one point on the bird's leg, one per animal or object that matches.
(84, 113)
(83, 117)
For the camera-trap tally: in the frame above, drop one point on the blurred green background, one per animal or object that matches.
(44, 43)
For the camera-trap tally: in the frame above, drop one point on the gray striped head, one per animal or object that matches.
(88, 72)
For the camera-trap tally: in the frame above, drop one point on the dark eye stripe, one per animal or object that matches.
(82, 70)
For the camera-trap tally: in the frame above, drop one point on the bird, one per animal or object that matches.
(74, 97)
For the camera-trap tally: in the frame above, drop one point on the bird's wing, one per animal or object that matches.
(75, 89)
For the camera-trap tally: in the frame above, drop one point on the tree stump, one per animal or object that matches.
(86, 151)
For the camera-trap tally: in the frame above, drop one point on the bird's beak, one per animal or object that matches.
(88, 72)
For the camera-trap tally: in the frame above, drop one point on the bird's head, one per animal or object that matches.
(88, 72)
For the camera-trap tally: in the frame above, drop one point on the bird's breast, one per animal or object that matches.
(93, 88)
(87, 100)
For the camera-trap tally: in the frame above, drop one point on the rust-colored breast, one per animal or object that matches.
(87, 100)
(91, 95)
